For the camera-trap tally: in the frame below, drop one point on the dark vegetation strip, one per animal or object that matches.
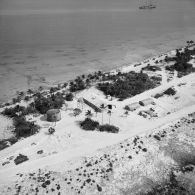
(91, 125)
(181, 60)
(125, 85)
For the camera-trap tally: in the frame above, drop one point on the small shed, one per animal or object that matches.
(53, 115)
(134, 106)
(146, 102)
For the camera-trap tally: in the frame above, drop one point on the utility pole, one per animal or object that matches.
(109, 113)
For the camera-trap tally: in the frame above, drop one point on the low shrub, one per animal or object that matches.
(127, 108)
(40, 152)
(157, 137)
(109, 128)
(27, 98)
(69, 97)
(3, 144)
(158, 95)
(19, 110)
(89, 124)
(6, 142)
(24, 128)
(170, 91)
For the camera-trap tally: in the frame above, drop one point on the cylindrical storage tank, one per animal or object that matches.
(53, 115)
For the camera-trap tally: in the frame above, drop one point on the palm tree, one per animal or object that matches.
(88, 114)
(51, 130)
(30, 91)
(109, 112)
(40, 88)
(87, 82)
(126, 112)
(65, 85)
(102, 107)
(99, 73)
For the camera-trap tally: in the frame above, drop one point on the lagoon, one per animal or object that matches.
(46, 43)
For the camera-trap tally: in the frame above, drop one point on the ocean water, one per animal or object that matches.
(45, 42)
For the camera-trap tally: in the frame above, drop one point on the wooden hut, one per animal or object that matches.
(146, 102)
(53, 115)
(134, 106)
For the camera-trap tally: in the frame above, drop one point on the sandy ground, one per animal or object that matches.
(71, 148)
(5, 127)
(113, 170)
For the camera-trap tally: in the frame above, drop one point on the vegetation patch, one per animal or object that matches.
(69, 97)
(77, 85)
(20, 159)
(24, 128)
(156, 79)
(19, 110)
(157, 137)
(109, 128)
(6, 142)
(126, 85)
(52, 101)
(181, 61)
(89, 124)
(127, 108)
(170, 92)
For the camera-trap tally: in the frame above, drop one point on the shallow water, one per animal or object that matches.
(67, 38)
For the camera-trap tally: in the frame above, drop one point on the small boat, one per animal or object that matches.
(147, 4)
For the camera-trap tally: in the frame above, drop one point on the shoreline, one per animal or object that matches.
(114, 58)
(120, 67)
